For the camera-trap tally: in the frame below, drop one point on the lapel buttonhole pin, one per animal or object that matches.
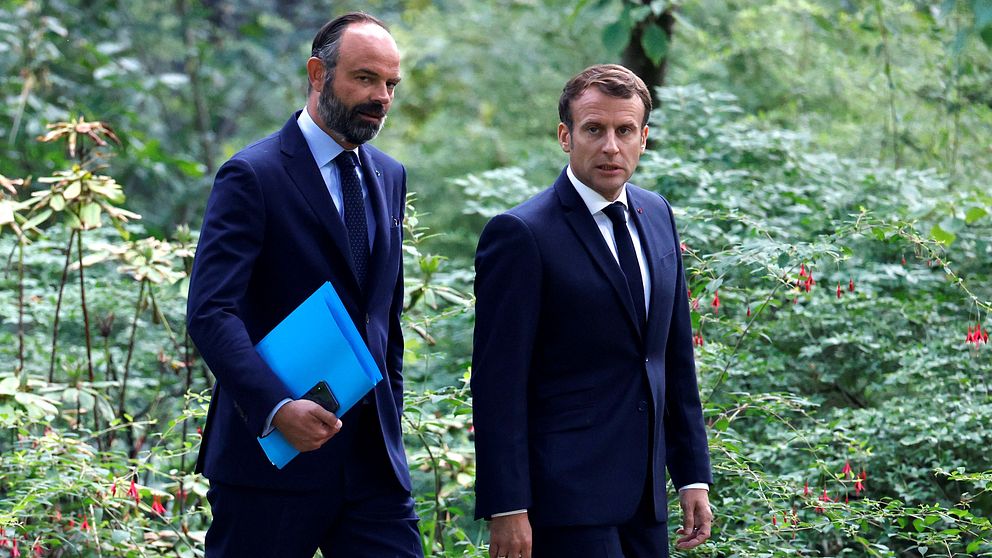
(640, 210)
(377, 173)
(396, 222)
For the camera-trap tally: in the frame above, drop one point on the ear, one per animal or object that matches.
(563, 138)
(315, 71)
(644, 139)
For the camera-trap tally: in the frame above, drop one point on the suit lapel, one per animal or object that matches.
(585, 227)
(302, 169)
(380, 243)
(650, 228)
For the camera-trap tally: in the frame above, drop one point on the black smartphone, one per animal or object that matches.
(322, 395)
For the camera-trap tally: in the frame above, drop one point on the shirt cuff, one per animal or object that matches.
(699, 485)
(514, 512)
(268, 421)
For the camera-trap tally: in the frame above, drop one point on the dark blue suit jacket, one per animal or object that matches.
(570, 396)
(270, 237)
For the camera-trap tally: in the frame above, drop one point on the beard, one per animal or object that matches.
(348, 121)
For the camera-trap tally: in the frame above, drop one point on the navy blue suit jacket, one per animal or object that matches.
(270, 237)
(573, 401)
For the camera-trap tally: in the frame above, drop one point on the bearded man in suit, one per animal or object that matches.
(310, 203)
(583, 378)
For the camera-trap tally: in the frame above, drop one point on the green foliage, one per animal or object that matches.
(829, 171)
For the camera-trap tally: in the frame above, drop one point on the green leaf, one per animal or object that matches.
(655, 43)
(90, 215)
(973, 214)
(973, 546)
(942, 236)
(57, 203)
(986, 35)
(616, 36)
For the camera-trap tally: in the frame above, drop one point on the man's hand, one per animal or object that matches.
(697, 519)
(510, 536)
(305, 424)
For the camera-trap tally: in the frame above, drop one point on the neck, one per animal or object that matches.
(334, 134)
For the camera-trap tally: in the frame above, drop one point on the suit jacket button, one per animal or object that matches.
(366, 319)
(642, 406)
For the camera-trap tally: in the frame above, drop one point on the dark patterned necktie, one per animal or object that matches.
(628, 257)
(354, 213)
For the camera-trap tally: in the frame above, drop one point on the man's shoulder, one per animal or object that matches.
(645, 196)
(260, 151)
(537, 206)
(383, 160)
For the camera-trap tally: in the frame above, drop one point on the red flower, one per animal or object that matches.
(157, 505)
(72, 523)
(695, 304)
(14, 552)
(824, 497)
(682, 247)
(859, 487)
(774, 520)
(697, 339)
(904, 260)
(802, 270)
(850, 286)
(839, 292)
(863, 475)
(971, 336)
(716, 302)
(113, 489)
(806, 489)
(133, 492)
(38, 549)
(748, 311)
(85, 526)
(846, 471)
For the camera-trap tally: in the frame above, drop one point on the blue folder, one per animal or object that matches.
(317, 341)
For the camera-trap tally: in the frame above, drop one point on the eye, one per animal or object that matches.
(623, 131)
(592, 129)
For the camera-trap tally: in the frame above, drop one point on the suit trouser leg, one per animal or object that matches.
(362, 512)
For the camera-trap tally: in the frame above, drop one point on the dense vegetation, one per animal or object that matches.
(829, 161)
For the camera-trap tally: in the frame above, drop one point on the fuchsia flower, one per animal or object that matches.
(748, 311)
(806, 489)
(839, 292)
(859, 487)
(904, 260)
(14, 551)
(802, 270)
(38, 549)
(683, 247)
(716, 302)
(86, 525)
(850, 286)
(846, 471)
(157, 506)
(774, 519)
(132, 492)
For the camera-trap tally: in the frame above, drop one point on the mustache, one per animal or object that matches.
(371, 108)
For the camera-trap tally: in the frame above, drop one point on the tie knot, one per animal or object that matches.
(346, 160)
(615, 211)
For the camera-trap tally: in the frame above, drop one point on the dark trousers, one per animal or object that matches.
(362, 513)
(640, 537)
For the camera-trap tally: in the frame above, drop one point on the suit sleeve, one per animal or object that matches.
(685, 433)
(394, 344)
(508, 299)
(230, 241)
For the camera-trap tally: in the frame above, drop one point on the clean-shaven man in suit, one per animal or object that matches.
(583, 379)
(311, 203)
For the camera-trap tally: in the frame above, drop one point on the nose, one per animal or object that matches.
(382, 95)
(611, 145)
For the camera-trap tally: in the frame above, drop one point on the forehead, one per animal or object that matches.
(366, 45)
(594, 105)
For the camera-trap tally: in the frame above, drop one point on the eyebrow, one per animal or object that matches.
(372, 72)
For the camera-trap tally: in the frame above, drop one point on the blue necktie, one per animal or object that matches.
(354, 213)
(628, 258)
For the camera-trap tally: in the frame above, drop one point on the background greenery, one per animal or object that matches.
(843, 140)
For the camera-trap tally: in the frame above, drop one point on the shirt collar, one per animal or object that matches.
(593, 199)
(322, 146)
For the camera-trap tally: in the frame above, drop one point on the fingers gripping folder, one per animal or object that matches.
(317, 342)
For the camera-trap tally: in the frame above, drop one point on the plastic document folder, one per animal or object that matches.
(317, 341)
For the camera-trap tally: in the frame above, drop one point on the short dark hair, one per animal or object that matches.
(327, 42)
(612, 79)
